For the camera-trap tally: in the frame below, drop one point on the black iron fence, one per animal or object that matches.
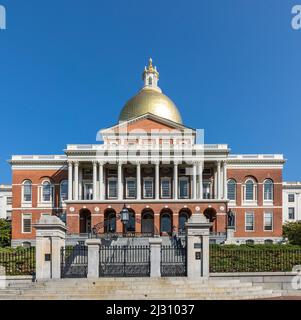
(253, 259)
(173, 261)
(18, 261)
(74, 262)
(124, 261)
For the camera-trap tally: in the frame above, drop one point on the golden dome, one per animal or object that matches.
(150, 100)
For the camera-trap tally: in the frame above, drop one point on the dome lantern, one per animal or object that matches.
(150, 99)
(151, 76)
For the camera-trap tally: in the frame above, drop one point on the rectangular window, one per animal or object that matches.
(9, 201)
(112, 188)
(206, 190)
(291, 197)
(165, 188)
(148, 188)
(291, 213)
(26, 223)
(183, 188)
(268, 221)
(249, 222)
(131, 188)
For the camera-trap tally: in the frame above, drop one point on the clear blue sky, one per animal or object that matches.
(232, 67)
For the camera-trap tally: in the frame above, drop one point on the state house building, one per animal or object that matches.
(150, 162)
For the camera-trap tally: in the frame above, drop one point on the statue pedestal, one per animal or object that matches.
(230, 236)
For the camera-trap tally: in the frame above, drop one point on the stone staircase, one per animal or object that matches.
(136, 289)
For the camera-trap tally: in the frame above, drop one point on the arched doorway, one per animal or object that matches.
(147, 221)
(131, 225)
(84, 221)
(109, 221)
(210, 214)
(166, 226)
(184, 215)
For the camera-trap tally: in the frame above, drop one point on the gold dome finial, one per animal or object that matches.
(150, 65)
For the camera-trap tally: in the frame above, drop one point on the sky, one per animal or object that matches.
(67, 68)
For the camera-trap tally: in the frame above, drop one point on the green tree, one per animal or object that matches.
(292, 231)
(5, 233)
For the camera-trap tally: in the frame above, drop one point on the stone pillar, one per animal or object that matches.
(70, 180)
(197, 229)
(155, 257)
(200, 180)
(218, 179)
(225, 180)
(93, 257)
(157, 181)
(138, 180)
(76, 166)
(94, 180)
(101, 189)
(50, 238)
(194, 185)
(120, 184)
(230, 235)
(175, 179)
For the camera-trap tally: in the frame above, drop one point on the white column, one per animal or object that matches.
(101, 191)
(200, 180)
(194, 185)
(120, 184)
(138, 180)
(175, 180)
(157, 180)
(80, 184)
(70, 180)
(218, 179)
(225, 180)
(76, 165)
(94, 180)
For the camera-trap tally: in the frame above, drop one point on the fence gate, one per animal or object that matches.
(74, 262)
(124, 261)
(173, 261)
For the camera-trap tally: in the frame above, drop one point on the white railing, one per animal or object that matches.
(39, 157)
(256, 156)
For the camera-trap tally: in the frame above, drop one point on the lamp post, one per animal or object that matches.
(125, 215)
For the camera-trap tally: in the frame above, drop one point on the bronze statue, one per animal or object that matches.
(231, 218)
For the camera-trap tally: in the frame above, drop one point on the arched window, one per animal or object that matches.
(110, 222)
(27, 191)
(231, 187)
(268, 190)
(46, 191)
(183, 218)
(166, 226)
(64, 190)
(250, 192)
(150, 81)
